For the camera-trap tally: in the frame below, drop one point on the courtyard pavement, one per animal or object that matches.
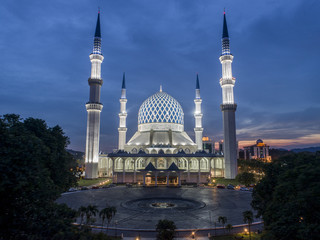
(201, 208)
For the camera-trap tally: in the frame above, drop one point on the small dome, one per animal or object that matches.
(160, 108)
(259, 141)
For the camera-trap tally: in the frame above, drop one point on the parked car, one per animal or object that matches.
(230, 186)
(72, 189)
(221, 186)
(84, 188)
(95, 187)
(106, 186)
(244, 189)
(112, 185)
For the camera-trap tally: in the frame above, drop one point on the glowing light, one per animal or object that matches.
(205, 139)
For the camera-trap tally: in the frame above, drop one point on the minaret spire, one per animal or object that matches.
(228, 106)
(94, 107)
(197, 82)
(225, 33)
(123, 115)
(123, 88)
(124, 81)
(97, 37)
(225, 36)
(198, 130)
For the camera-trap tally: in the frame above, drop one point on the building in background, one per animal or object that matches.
(220, 147)
(260, 150)
(208, 145)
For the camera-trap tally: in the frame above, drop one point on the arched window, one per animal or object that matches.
(203, 164)
(161, 163)
(119, 163)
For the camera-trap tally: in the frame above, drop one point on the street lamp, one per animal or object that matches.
(193, 235)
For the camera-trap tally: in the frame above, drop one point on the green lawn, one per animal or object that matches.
(90, 182)
(226, 181)
(254, 236)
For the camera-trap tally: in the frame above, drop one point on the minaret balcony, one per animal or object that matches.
(94, 106)
(95, 57)
(95, 81)
(228, 107)
(198, 115)
(227, 81)
(224, 58)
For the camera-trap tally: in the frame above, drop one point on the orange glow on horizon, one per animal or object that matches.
(285, 143)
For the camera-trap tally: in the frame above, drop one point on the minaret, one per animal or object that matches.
(228, 107)
(123, 115)
(198, 117)
(94, 107)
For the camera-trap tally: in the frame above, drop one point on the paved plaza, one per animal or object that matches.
(142, 208)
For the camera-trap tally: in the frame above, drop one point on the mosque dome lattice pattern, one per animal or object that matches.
(160, 108)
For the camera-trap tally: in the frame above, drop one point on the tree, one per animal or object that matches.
(248, 218)
(103, 215)
(91, 210)
(109, 213)
(288, 197)
(35, 169)
(82, 213)
(229, 227)
(245, 178)
(165, 229)
(222, 220)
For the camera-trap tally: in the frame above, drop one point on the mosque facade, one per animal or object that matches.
(160, 152)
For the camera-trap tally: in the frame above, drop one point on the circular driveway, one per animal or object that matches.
(190, 208)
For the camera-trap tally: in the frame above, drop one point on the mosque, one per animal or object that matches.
(160, 152)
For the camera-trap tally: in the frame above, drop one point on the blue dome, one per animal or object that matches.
(160, 108)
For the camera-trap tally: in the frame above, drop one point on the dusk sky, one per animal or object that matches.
(45, 66)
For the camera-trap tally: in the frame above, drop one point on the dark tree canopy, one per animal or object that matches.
(245, 178)
(165, 229)
(35, 169)
(288, 197)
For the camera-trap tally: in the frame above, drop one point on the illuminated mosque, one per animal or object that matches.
(160, 152)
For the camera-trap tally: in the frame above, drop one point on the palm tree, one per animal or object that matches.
(103, 215)
(229, 227)
(110, 213)
(248, 218)
(222, 220)
(82, 212)
(92, 210)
